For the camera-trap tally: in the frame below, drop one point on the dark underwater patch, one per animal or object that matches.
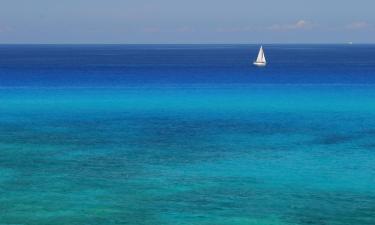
(334, 139)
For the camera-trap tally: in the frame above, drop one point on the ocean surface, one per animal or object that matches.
(187, 135)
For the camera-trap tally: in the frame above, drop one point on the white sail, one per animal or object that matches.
(261, 59)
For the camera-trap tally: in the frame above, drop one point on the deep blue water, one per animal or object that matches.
(124, 65)
(187, 134)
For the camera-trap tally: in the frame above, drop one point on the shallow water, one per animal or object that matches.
(272, 154)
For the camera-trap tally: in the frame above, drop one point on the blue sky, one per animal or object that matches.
(189, 21)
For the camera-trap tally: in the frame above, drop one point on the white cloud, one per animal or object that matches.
(300, 24)
(358, 25)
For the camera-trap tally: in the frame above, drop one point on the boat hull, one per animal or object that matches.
(259, 64)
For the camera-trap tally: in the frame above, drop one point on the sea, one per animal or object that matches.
(187, 135)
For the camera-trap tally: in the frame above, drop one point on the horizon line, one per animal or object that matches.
(198, 43)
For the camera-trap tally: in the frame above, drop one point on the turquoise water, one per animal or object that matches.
(187, 135)
(257, 154)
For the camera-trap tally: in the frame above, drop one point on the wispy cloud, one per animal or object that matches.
(358, 25)
(151, 30)
(300, 24)
(4, 28)
(233, 29)
(185, 29)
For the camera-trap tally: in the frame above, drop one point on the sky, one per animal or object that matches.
(188, 21)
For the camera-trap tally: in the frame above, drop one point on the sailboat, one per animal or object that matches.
(261, 60)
